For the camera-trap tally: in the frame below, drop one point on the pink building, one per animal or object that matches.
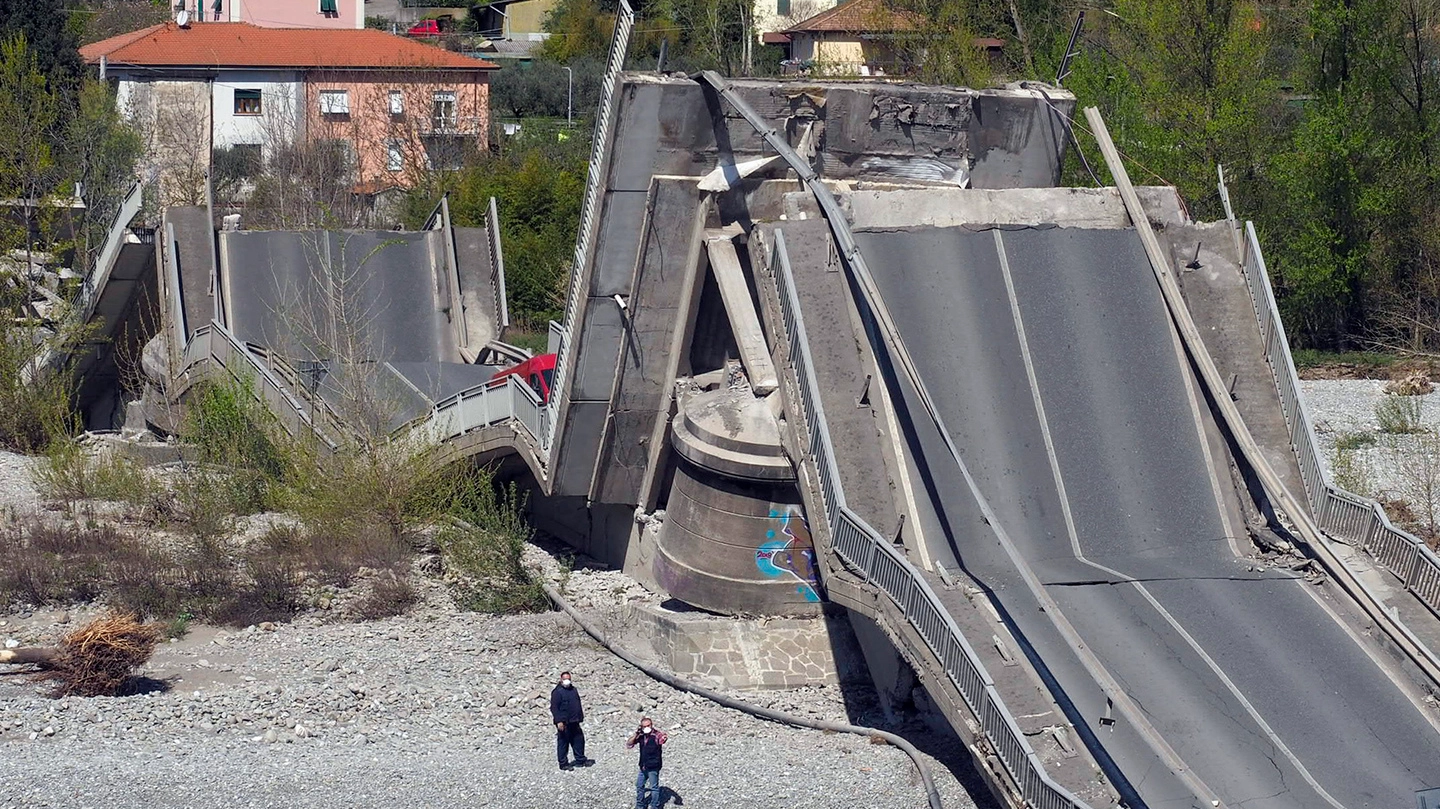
(392, 106)
(280, 13)
(400, 123)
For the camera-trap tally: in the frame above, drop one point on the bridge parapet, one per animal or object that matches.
(499, 415)
(839, 531)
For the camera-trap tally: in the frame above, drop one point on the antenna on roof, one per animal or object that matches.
(183, 19)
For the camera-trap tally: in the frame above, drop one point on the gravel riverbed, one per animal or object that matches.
(1383, 464)
(441, 708)
(435, 711)
(437, 708)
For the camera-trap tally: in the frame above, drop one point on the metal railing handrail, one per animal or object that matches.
(476, 408)
(99, 274)
(1340, 513)
(599, 150)
(274, 382)
(266, 385)
(497, 261)
(863, 549)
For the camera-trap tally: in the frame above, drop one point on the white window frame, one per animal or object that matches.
(397, 102)
(439, 97)
(394, 155)
(334, 102)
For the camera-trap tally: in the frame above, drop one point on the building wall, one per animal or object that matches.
(278, 122)
(288, 13)
(371, 130)
(838, 54)
(838, 49)
(173, 117)
(777, 15)
(526, 18)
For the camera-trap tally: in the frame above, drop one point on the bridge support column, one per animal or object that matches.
(735, 540)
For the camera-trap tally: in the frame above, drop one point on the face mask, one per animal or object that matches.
(565, 683)
(646, 730)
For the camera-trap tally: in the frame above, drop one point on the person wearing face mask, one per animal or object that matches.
(567, 714)
(649, 739)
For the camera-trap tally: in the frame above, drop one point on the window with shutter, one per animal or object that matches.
(329, 8)
(247, 102)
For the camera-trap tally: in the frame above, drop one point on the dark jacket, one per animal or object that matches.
(565, 705)
(652, 755)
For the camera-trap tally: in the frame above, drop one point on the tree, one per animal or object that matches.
(935, 39)
(101, 152)
(1184, 85)
(538, 187)
(540, 88)
(53, 36)
(28, 116)
(577, 29)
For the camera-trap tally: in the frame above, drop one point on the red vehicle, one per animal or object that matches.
(537, 372)
(426, 28)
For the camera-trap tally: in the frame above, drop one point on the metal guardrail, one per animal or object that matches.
(589, 210)
(497, 261)
(99, 275)
(1340, 513)
(278, 386)
(863, 549)
(486, 405)
(215, 346)
(555, 338)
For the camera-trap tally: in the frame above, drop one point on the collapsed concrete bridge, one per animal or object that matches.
(848, 344)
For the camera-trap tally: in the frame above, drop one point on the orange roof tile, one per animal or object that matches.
(858, 16)
(239, 44)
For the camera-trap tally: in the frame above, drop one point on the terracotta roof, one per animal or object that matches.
(858, 16)
(240, 44)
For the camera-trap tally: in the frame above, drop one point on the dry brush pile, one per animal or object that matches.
(98, 659)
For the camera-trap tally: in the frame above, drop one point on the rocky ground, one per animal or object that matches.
(437, 708)
(1384, 465)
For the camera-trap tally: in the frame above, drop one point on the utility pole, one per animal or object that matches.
(569, 95)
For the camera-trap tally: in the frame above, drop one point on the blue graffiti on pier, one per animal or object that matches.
(789, 552)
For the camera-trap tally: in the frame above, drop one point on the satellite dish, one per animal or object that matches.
(183, 18)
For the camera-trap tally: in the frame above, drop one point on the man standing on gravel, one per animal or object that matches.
(567, 713)
(649, 739)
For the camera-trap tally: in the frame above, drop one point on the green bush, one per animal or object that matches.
(71, 471)
(1348, 442)
(34, 404)
(389, 595)
(487, 550)
(538, 187)
(1399, 414)
(228, 426)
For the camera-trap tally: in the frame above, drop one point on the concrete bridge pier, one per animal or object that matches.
(735, 539)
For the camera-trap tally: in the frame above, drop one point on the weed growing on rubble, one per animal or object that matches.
(71, 471)
(486, 552)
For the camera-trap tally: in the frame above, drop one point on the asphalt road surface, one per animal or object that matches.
(1051, 357)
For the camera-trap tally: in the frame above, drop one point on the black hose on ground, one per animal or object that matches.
(931, 793)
